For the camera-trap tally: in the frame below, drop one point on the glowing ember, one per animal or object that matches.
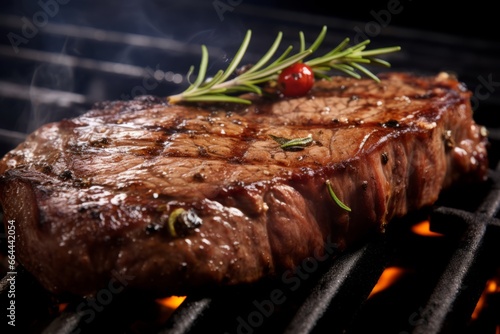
(172, 302)
(492, 286)
(424, 229)
(390, 276)
(62, 307)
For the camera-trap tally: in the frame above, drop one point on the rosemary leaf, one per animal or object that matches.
(279, 140)
(380, 62)
(238, 57)
(296, 144)
(357, 60)
(261, 80)
(318, 40)
(188, 76)
(335, 198)
(203, 67)
(365, 71)
(347, 70)
(283, 56)
(213, 81)
(302, 40)
(339, 47)
(249, 87)
(380, 51)
(322, 75)
(267, 56)
(217, 98)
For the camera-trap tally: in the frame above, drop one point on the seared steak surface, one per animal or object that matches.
(179, 197)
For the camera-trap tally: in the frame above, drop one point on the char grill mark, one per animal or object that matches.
(98, 190)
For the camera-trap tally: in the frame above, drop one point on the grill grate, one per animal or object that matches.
(444, 276)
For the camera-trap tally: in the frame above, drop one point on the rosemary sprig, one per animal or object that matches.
(220, 88)
(334, 197)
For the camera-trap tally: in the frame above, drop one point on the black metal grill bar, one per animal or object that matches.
(41, 95)
(457, 291)
(491, 204)
(66, 323)
(458, 284)
(107, 36)
(72, 61)
(344, 286)
(12, 137)
(185, 318)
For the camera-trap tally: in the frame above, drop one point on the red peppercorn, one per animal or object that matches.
(296, 80)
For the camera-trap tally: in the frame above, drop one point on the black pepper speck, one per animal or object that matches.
(384, 158)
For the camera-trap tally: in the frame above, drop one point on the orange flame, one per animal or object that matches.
(492, 286)
(62, 307)
(424, 229)
(389, 276)
(172, 302)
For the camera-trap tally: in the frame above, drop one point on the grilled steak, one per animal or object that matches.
(181, 197)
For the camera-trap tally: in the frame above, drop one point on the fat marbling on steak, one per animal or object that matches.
(101, 194)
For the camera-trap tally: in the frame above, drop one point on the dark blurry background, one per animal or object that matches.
(58, 57)
(476, 19)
